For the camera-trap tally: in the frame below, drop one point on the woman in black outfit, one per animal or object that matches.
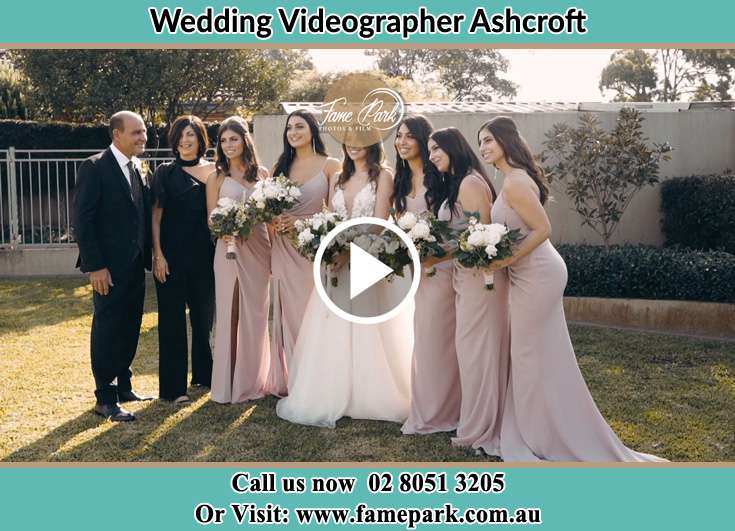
(183, 255)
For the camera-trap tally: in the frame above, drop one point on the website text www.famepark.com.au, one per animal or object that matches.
(447, 514)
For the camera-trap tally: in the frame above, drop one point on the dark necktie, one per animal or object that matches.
(135, 189)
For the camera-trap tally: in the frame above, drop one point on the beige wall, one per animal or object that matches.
(704, 142)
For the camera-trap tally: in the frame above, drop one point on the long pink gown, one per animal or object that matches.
(549, 413)
(481, 339)
(293, 282)
(241, 357)
(435, 388)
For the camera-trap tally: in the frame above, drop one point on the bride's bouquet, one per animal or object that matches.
(309, 233)
(230, 218)
(272, 196)
(386, 247)
(427, 233)
(482, 244)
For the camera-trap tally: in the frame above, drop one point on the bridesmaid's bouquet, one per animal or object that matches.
(273, 196)
(386, 247)
(230, 218)
(482, 244)
(427, 233)
(309, 233)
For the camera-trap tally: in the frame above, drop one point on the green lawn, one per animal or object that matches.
(671, 396)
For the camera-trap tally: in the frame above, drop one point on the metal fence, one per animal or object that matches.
(36, 189)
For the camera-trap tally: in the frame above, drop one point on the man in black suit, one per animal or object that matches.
(112, 227)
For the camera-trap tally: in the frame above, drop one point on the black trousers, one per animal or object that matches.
(189, 285)
(115, 332)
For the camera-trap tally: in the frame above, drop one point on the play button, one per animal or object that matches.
(368, 292)
(364, 270)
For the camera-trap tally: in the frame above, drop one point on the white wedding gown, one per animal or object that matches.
(340, 369)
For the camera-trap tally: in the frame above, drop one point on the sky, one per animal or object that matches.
(542, 75)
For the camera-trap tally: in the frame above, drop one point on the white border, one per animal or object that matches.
(366, 220)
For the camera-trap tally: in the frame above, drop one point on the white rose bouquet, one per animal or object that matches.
(386, 247)
(427, 233)
(309, 233)
(481, 244)
(271, 197)
(230, 218)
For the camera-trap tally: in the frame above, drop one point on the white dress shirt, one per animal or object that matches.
(122, 160)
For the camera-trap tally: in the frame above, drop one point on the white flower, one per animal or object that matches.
(376, 247)
(299, 225)
(305, 237)
(363, 241)
(225, 202)
(260, 204)
(271, 191)
(491, 251)
(258, 196)
(392, 246)
(407, 221)
(492, 237)
(477, 239)
(420, 231)
(294, 192)
(316, 222)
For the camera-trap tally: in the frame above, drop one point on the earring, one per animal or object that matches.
(313, 144)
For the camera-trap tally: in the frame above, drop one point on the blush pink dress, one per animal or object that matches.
(481, 341)
(549, 413)
(241, 356)
(435, 387)
(293, 282)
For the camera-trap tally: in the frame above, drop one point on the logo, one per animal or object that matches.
(358, 110)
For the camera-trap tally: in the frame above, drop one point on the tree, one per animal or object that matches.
(89, 85)
(312, 86)
(602, 171)
(14, 88)
(718, 65)
(631, 74)
(466, 74)
(678, 75)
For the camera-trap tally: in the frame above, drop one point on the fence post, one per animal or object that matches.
(13, 199)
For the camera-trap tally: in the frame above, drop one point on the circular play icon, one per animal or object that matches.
(368, 287)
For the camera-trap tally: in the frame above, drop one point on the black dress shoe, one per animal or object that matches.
(132, 396)
(114, 412)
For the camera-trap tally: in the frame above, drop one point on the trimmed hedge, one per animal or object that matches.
(699, 212)
(642, 272)
(64, 135)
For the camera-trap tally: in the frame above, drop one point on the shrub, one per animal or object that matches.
(642, 272)
(699, 212)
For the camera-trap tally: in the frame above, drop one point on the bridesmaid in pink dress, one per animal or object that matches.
(305, 161)
(435, 389)
(241, 357)
(549, 413)
(482, 327)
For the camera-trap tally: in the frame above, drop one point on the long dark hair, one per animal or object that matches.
(375, 163)
(421, 129)
(285, 160)
(177, 130)
(249, 157)
(516, 150)
(462, 161)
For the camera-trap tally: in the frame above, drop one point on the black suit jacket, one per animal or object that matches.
(106, 218)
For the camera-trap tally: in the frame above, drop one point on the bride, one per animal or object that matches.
(340, 368)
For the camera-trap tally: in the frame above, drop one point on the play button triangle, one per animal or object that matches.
(365, 270)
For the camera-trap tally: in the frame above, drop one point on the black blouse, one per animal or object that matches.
(185, 236)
